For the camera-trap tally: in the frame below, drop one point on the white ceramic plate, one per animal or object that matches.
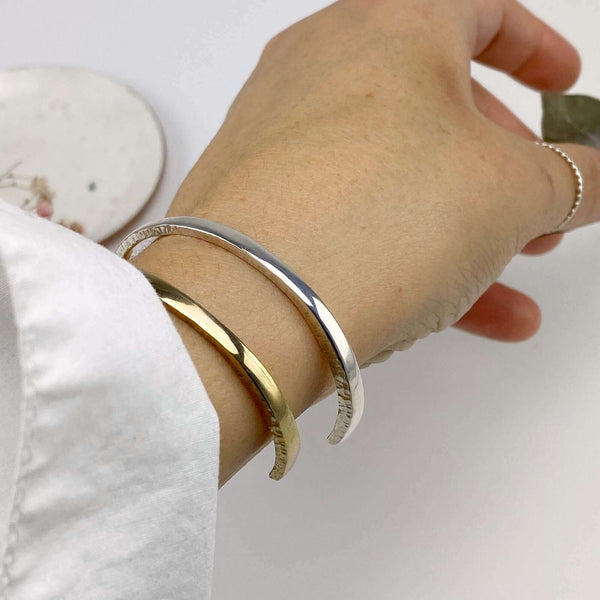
(89, 144)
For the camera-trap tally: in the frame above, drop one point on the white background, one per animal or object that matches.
(476, 471)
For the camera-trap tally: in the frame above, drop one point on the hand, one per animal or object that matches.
(361, 153)
(370, 161)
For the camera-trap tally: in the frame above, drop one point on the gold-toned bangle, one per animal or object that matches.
(282, 423)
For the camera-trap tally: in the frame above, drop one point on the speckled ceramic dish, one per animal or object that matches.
(77, 147)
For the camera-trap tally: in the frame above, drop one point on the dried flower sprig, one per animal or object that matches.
(39, 197)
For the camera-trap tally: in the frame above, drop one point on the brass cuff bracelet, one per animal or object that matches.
(282, 424)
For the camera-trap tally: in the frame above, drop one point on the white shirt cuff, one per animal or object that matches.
(109, 444)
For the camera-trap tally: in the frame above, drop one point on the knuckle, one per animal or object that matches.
(279, 43)
(296, 41)
(272, 45)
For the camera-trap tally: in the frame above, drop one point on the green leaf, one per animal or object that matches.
(571, 119)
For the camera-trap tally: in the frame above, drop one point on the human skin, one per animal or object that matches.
(362, 154)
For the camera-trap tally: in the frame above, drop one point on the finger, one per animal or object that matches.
(497, 112)
(502, 313)
(557, 182)
(542, 244)
(512, 39)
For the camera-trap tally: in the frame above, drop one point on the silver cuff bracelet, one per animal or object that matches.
(342, 361)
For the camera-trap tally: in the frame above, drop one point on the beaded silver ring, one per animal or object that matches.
(578, 183)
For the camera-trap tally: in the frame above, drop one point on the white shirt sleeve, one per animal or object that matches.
(109, 444)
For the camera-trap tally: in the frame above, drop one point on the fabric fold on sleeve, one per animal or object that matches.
(113, 488)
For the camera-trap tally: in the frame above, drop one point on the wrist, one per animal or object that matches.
(263, 317)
